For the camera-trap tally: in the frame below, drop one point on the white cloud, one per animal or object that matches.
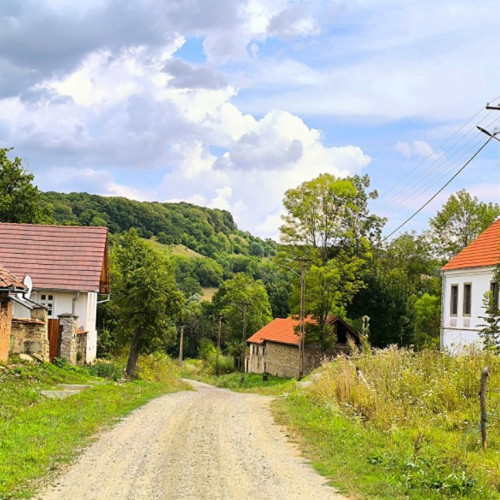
(416, 148)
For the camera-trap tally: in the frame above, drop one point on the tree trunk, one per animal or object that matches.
(134, 353)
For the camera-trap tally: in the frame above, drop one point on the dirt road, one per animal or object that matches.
(205, 444)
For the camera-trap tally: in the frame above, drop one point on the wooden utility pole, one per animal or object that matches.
(181, 344)
(219, 332)
(302, 333)
(243, 342)
(484, 415)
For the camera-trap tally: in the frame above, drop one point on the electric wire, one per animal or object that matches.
(449, 166)
(440, 147)
(439, 191)
(445, 163)
(441, 162)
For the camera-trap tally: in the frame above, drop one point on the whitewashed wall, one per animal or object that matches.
(85, 308)
(460, 331)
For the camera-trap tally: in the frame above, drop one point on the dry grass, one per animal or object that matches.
(428, 399)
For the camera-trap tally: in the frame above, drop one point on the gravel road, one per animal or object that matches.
(205, 444)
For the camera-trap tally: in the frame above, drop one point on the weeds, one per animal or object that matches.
(413, 426)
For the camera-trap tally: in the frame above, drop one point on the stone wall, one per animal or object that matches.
(5, 325)
(68, 342)
(30, 336)
(282, 360)
(81, 347)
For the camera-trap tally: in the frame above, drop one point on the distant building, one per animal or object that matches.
(274, 349)
(466, 278)
(68, 267)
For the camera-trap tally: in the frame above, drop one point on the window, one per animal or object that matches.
(48, 302)
(454, 300)
(467, 298)
(494, 292)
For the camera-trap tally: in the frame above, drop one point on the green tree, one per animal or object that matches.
(490, 329)
(460, 221)
(208, 272)
(327, 221)
(389, 302)
(229, 300)
(146, 296)
(427, 320)
(20, 200)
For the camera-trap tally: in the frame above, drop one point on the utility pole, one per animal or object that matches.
(243, 342)
(302, 333)
(181, 344)
(219, 332)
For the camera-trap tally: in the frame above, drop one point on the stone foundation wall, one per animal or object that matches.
(30, 336)
(5, 326)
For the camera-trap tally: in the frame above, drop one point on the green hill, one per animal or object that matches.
(204, 230)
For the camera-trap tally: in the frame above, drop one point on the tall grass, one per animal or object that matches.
(408, 427)
(422, 390)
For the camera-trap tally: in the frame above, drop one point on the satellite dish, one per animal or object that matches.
(29, 285)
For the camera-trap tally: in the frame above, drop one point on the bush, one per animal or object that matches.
(107, 369)
(158, 367)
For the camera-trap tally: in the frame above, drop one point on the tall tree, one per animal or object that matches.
(461, 220)
(327, 221)
(146, 297)
(20, 200)
(229, 300)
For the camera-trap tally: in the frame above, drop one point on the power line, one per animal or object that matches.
(432, 154)
(443, 168)
(439, 191)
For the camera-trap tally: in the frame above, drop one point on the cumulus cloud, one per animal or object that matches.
(186, 75)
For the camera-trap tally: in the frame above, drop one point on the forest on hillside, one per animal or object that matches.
(351, 271)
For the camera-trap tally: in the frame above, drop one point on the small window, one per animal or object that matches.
(494, 292)
(454, 300)
(48, 302)
(467, 299)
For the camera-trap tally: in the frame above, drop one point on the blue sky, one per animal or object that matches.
(229, 103)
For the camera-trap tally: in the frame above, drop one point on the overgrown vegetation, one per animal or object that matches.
(410, 431)
(39, 434)
(205, 371)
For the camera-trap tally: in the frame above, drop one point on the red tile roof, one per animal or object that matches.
(483, 251)
(280, 330)
(8, 280)
(56, 257)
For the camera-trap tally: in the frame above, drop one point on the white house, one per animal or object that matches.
(68, 267)
(466, 278)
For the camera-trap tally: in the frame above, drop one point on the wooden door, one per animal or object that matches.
(54, 338)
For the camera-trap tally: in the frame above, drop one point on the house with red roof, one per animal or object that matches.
(67, 268)
(466, 278)
(274, 349)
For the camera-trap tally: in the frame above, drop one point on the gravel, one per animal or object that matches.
(206, 444)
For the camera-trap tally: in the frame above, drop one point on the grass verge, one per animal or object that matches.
(38, 434)
(411, 432)
(253, 383)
